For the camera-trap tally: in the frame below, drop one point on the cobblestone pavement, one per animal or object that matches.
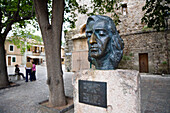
(155, 93)
(25, 98)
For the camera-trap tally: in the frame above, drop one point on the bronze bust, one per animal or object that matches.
(104, 43)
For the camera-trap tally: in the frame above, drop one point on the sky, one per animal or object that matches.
(37, 32)
(29, 27)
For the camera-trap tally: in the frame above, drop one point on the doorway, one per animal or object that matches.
(9, 60)
(36, 61)
(80, 61)
(143, 63)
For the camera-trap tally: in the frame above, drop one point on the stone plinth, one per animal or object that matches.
(123, 91)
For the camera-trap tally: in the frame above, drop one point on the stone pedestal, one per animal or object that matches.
(122, 91)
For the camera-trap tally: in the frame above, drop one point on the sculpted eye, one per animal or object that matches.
(102, 33)
(88, 34)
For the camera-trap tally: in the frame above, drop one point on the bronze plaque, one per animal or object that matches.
(93, 93)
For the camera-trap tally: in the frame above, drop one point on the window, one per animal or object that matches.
(124, 9)
(29, 49)
(42, 49)
(11, 48)
(13, 59)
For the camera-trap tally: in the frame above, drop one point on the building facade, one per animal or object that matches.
(14, 56)
(145, 50)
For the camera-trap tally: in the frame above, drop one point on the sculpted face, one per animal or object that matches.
(98, 38)
(105, 44)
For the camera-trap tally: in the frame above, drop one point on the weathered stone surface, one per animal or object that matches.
(129, 23)
(136, 41)
(80, 44)
(152, 43)
(68, 49)
(123, 91)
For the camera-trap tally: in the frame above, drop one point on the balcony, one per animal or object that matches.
(42, 53)
(36, 52)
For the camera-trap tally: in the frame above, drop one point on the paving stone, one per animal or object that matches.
(158, 94)
(155, 93)
(25, 98)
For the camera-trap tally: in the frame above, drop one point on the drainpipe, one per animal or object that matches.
(25, 53)
(166, 39)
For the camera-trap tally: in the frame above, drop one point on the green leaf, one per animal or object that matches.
(156, 12)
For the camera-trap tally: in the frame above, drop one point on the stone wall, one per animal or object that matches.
(136, 41)
(152, 43)
(107, 91)
(69, 48)
(131, 22)
(80, 53)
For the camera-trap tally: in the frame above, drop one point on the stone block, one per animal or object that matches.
(123, 91)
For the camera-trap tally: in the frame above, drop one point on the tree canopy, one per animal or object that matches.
(50, 14)
(19, 11)
(156, 13)
(96, 7)
(15, 16)
(20, 36)
(14, 11)
(11, 12)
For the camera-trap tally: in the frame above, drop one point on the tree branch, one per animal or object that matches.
(41, 10)
(11, 20)
(9, 25)
(15, 18)
(0, 20)
(58, 11)
(16, 13)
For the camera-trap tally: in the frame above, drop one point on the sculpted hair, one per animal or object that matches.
(117, 44)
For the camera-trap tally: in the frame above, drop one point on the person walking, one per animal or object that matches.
(28, 70)
(33, 71)
(17, 71)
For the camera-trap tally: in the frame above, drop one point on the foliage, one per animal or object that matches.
(131, 54)
(126, 58)
(99, 7)
(19, 11)
(156, 13)
(20, 36)
(146, 28)
(14, 11)
(14, 15)
(164, 62)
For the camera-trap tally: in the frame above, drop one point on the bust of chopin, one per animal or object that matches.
(104, 43)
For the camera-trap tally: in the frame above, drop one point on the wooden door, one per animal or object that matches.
(80, 60)
(9, 60)
(143, 62)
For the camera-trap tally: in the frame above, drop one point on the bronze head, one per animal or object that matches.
(105, 44)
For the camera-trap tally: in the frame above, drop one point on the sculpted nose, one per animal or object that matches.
(93, 39)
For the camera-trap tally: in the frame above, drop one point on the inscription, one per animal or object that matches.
(93, 93)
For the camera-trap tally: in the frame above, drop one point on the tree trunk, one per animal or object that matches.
(55, 74)
(3, 68)
(52, 42)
